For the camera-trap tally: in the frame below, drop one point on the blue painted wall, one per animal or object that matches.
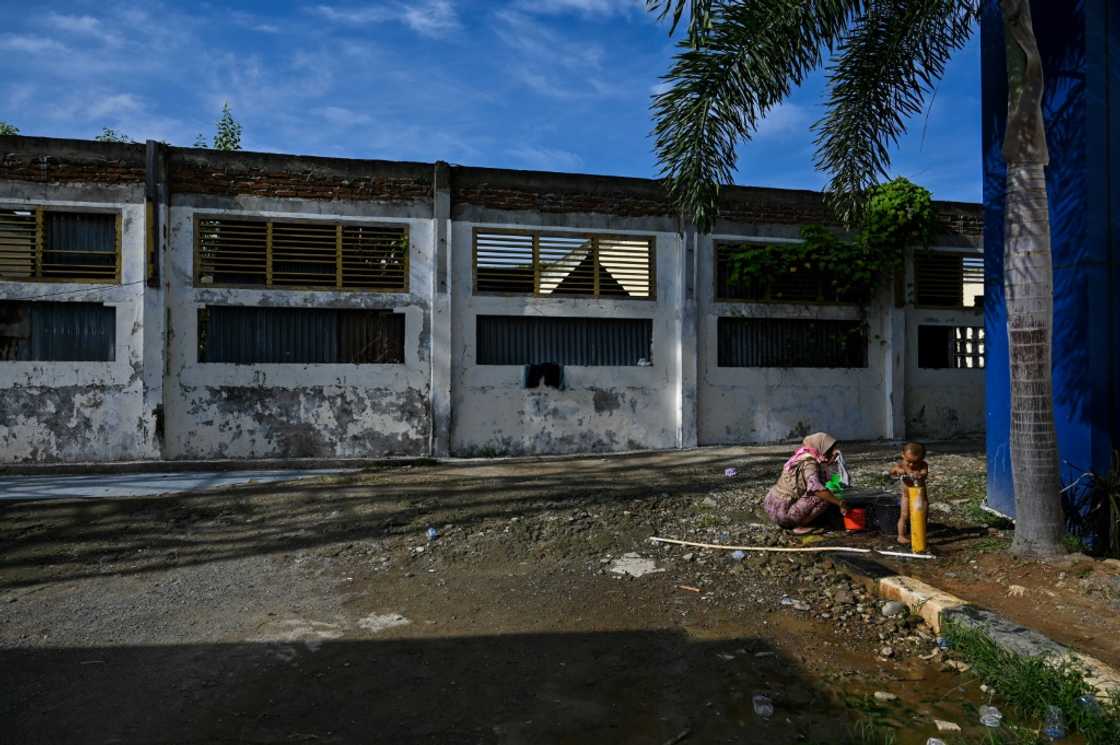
(1080, 45)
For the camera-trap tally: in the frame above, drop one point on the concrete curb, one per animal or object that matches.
(938, 608)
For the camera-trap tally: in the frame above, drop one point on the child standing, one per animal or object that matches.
(911, 469)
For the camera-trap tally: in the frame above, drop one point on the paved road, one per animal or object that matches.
(108, 486)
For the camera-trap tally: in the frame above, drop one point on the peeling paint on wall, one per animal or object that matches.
(157, 400)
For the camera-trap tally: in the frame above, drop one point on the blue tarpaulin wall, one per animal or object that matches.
(1080, 45)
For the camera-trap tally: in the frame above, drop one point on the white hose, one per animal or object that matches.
(802, 549)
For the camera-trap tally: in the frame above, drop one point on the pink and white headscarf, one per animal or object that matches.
(814, 446)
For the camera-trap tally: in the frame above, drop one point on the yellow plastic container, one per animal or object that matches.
(916, 496)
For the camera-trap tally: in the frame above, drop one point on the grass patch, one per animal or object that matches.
(975, 513)
(864, 733)
(992, 543)
(1027, 685)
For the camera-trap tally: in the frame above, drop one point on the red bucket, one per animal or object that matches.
(855, 520)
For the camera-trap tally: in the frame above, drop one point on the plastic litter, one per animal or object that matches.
(990, 716)
(763, 706)
(943, 643)
(432, 534)
(1089, 703)
(935, 741)
(841, 468)
(1054, 724)
(738, 555)
(730, 472)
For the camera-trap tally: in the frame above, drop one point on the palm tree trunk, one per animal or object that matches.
(1029, 288)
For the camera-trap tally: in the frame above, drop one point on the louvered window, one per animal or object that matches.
(41, 245)
(233, 252)
(790, 342)
(255, 335)
(946, 280)
(800, 285)
(562, 264)
(951, 347)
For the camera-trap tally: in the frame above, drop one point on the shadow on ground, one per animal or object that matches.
(624, 687)
(54, 541)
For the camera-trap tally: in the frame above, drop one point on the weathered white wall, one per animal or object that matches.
(217, 410)
(109, 411)
(82, 411)
(745, 404)
(601, 408)
(942, 403)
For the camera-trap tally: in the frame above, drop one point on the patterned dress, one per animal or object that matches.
(792, 502)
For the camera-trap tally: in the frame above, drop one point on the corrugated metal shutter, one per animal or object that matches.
(247, 336)
(518, 340)
(58, 332)
(370, 337)
(790, 342)
(254, 335)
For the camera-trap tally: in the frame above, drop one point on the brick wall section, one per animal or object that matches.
(962, 218)
(627, 197)
(297, 177)
(751, 205)
(214, 172)
(48, 160)
(539, 191)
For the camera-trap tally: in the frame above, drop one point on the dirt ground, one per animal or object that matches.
(322, 613)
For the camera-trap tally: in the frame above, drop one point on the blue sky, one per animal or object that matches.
(558, 85)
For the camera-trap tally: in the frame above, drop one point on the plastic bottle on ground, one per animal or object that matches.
(737, 555)
(763, 706)
(935, 741)
(1089, 703)
(432, 534)
(1054, 724)
(990, 716)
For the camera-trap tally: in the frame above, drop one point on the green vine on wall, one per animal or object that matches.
(899, 214)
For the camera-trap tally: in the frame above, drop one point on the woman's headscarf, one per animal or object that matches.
(814, 446)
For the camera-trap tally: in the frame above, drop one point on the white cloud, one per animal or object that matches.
(435, 18)
(339, 116)
(114, 106)
(782, 120)
(546, 159)
(356, 16)
(74, 24)
(585, 7)
(254, 23)
(551, 64)
(30, 44)
(431, 18)
(541, 45)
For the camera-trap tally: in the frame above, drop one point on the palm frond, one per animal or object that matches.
(886, 65)
(699, 16)
(753, 53)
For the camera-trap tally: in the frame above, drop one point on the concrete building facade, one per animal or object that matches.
(174, 303)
